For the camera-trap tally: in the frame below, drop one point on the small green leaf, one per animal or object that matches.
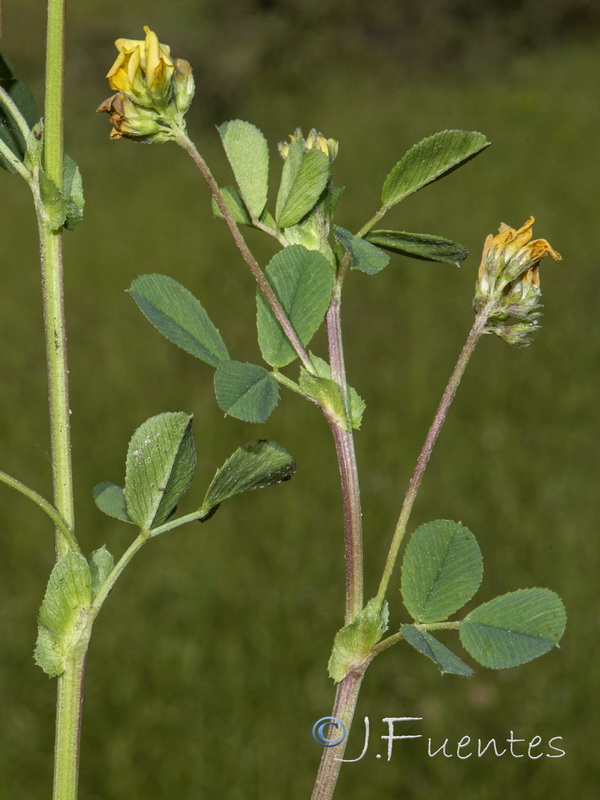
(364, 256)
(179, 316)
(514, 628)
(444, 658)
(353, 644)
(110, 499)
(246, 391)
(304, 177)
(101, 564)
(73, 193)
(430, 160)
(424, 246)
(10, 132)
(441, 571)
(234, 204)
(255, 465)
(357, 404)
(302, 281)
(63, 613)
(248, 154)
(161, 461)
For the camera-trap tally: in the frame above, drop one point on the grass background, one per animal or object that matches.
(207, 665)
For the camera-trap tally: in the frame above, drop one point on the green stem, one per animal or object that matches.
(108, 584)
(68, 723)
(52, 277)
(186, 143)
(45, 506)
(373, 221)
(53, 106)
(440, 417)
(70, 684)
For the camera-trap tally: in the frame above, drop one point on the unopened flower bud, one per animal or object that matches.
(314, 141)
(184, 84)
(508, 282)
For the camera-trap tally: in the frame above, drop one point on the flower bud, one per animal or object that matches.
(314, 141)
(508, 282)
(183, 84)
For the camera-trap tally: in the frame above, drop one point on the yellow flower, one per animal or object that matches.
(153, 91)
(508, 282)
(143, 69)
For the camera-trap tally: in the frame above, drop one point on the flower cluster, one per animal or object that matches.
(314, 141)
(508, 282)
(153, 91)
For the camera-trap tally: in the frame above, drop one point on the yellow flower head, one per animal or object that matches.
(153, 91)
(511, 253)
(509, 281)
(143, 69)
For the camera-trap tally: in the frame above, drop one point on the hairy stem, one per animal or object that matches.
(344, 446)
(346, 699)
(186, 143)
(430, 440)
(68, 724)
(70, 684)
(52, 278)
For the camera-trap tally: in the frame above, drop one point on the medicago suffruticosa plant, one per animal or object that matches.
(298, 292)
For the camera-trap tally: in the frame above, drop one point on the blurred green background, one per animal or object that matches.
(207, 665)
